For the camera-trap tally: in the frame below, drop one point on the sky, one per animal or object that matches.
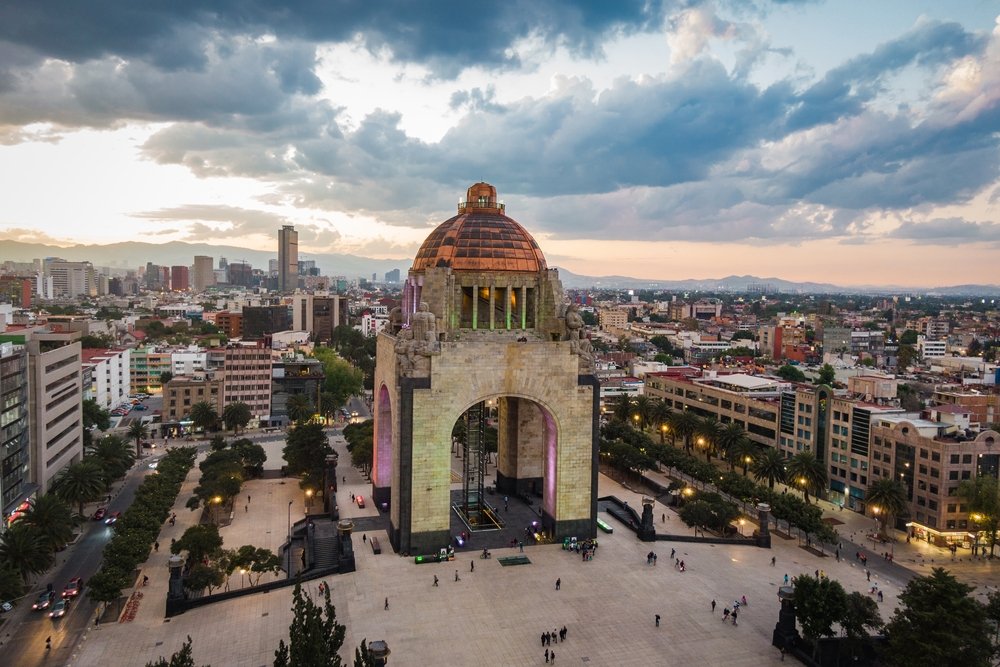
(850, 142)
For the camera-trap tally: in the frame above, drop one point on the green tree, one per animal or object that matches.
(300, 408)
(860, 616)
(729, 439)
(806, 472)
(983, 497)
(887, 498)
(95, 415)
(204, 415)
(342, 379)
(23, 547)
(137, 431)
(305, 451)
(363, 656)
(201, 542)
(204, 576)
(236, 416)
(684, 423)
(251, 455)
(819, 605)
(644, 409)
(661, 419)
(361, 439)
(709, 511)
(827, 375)
(905, 357)
(11, 582)
(622, 408)
(165, 378)
(53, 518)
(314, 636)
(113, 455)
(790, 373)
(909, 337)
(80, 483)
(184, 657)
(709, 432)
(257, 561)
(106, 585)
(938, 623)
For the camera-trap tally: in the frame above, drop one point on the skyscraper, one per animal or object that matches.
(288, 259)
(180, 278)
(203, 275)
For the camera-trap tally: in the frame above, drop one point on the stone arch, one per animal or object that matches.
(382, 456)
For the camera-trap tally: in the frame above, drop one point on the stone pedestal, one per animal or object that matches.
(764, 534)
(785, 634)
(647, 531)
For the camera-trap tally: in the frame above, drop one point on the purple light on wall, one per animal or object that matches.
(382, 463)
(551, 457)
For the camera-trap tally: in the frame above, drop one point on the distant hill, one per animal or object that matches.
(132, 254)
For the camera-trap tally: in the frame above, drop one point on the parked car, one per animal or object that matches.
(73, 588)
(59, 609)
(44, 600)
(100, 513)
(112, 518)
(139, 407)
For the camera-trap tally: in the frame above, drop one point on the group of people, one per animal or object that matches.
(548, 638)
(651, 558)
(586, 548)
(732, 615)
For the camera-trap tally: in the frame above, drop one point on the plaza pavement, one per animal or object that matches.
(494, 615)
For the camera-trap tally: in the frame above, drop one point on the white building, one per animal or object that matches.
(372, 323)
(932, 348)
(188, 362)
(107, 372)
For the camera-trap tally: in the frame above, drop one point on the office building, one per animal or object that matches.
(15, 481)
(288, 259)
(16, 291)
(318, 314)
(183, 392)
(180, 278)
(68, 280)
(245, 371)
(239, 273)
(260, 321)
(56, 404)
(203, 275)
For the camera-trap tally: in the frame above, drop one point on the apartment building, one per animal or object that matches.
(245, 371)
(145, 366)
(107, 376)
(230, 323)
(188, 361)
(56, 404)
(15, 453)
(182, 392)
(318, 314)
(983, 407)
(612, 320)
(291, 376)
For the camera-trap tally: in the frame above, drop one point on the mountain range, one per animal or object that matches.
(132, 254)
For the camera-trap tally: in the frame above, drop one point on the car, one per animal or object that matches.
(154, 464)
(59, 609)
(73, 588)
(100, 513)
(44, 600)
(112, 518)
(139, 407)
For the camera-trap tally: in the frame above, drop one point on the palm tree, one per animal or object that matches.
(622, 409)
(709, 431)
(53, 518)
(644, 409)
(11, 583)
(80, 483)
(138, 431)
(887, 498)
(114, 456)
(685, 423)
(746, 453)
(300, 408)
(23, 547)
(807, 472)
(204, 415)
(731, 435)
(769, 465)
(236, 415)
(661, 417)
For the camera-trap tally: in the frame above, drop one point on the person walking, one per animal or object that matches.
(725, 614)
(868, 574)
(456, 576)
(387, 604)
(713, 606)
(435, 580)
(558, 584)
(553, 656)
(773, 560)
(734, 614)
(786, 579)
(156, 546)
(472, 566)
(248, 499)
(546, 655)
(657, 620)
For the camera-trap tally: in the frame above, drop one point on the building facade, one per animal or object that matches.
(292, 376)
(109, 376)
(183, 392)
(245, 371)
(203, 273)
(56, 404)
(180, 278)
(15, 453)
(145, 366)
(288, 259)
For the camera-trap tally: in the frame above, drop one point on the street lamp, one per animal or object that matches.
(742, 523)
(635, 418)
(242, 577)
(309, 497)
(976, 518)
(875, 510)
(288, 551)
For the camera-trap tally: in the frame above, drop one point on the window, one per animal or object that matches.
(952, 508)
(952, 474)
(923, 470)
(953, 459)
(923, 453)
(966, 458)
(932, 505)
(966, 474)
(936, 457)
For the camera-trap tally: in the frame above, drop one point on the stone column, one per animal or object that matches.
(764, 534)
(646, 532)
(785, 635)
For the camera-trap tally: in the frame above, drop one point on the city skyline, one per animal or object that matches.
(829, 142)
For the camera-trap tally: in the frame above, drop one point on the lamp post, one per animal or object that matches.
(635, 418)
(288, 551)
(976, 518)
(309, 498)
(742, 523)
(243, 581)
(875, 511)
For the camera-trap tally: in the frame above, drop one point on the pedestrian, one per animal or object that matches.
(558, 584)
(246, 509)
(387, 604)
(456, 576)
(743, 600)
(562, 634)
(786, 579)
(520, 546)
(156, 546)
(654, 559)
(773, 559)
(734, 617)
(713, 606)
(364, 537)
(472, 566)
(663, 518)
(880, 596)
(868, 574)
(553, 656)
(248, 498)
(435, 580)
(546, 655)
(725, 614)
(672, 552)
(352, 497)
(657, 620)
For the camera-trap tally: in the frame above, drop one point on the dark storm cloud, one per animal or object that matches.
(447, 35)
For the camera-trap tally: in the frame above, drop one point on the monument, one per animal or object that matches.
(483, 323)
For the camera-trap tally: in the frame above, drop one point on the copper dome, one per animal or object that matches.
(480, 238)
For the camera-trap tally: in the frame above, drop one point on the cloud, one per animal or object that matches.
(23, 235)
(953, 231)
(229, 221)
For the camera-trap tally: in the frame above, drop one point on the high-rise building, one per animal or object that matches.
(288, 259)
(245, 369)
(319, 315)
(56, 404)
(67, 280)
(15, 482)
(107, 378)
(259, 321)
(239, 273)
(16, 291)
(204, 273)
(392, 276)
(180, 278)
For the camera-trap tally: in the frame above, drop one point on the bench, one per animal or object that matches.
(376, 547)
(605, 526)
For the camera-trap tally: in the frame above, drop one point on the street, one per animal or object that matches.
(24, 635)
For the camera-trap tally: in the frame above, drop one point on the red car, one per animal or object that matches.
(73, 588)
(99, 514)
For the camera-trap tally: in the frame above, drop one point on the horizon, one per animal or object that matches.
(826, 142)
